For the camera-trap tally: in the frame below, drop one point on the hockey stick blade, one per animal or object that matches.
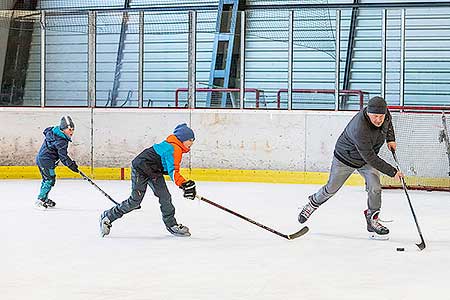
(421, 245)
(299, 233)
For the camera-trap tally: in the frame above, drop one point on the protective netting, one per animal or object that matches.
(106, 22)
(313, 27)
(19, 19)
(421, 150)
(100, 4)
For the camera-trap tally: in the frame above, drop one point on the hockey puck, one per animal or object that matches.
(400, 249)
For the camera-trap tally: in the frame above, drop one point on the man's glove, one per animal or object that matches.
(189, 189)
(74, 167)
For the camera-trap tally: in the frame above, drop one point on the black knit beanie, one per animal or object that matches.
(377, 105)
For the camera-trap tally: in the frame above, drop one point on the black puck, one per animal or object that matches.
(400, 249)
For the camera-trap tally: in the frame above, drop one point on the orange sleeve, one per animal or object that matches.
(177, 155)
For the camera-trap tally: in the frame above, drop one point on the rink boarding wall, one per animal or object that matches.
(230, 145)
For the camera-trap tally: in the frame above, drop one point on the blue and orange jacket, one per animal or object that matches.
(162, 158)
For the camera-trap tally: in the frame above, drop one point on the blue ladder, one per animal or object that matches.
(222, 55)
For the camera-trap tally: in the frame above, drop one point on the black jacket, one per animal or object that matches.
(148, 163)
(360, 143)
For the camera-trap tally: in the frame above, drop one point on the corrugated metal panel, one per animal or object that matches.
(366, 62)
(427, 62)
(66, 66)
(427, 59)
(267, 55)
(107, 48)
(165, 60)
(91, 4)
(32, 93)
(288, 2)
(427, 41)
(171, 3)
(83, 4)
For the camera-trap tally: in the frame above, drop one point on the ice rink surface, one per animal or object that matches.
(58, 254)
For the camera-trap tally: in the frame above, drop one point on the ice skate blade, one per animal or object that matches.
(378, 237)
(39, 207)
(181, 235)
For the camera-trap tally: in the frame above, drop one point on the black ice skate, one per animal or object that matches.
(374, 227)
(179, 230)
(105, 225)
(40, 204)
(50, 203)
(307, 210)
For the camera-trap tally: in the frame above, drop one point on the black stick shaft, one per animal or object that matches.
(93, 183)
(242, 217)
(422, 244)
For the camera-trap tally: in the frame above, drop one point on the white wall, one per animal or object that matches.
(259, 140)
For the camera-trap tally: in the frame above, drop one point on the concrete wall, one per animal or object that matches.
(249, 140)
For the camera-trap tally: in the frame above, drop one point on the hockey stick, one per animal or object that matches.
(422, 244)
(297, 234)
(93, 183)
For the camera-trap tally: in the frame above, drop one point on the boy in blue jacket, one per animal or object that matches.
(53, 150)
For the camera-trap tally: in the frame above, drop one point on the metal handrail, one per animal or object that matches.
(323, 91)
(256, 91)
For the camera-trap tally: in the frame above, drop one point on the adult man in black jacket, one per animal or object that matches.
(357, 149)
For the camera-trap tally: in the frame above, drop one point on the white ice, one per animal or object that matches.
(58, 254)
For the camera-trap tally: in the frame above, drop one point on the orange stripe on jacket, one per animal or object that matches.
(178, 150)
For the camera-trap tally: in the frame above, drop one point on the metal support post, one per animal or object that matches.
(192, 58)
(43, 62)
(242, 63)
(338, 59)
(91, 59)
(290, 58)
(141, 61)
(402, 57)
(383, 52)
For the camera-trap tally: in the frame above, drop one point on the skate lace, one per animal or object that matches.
(107, 223)
(308, 210)
(377, 225)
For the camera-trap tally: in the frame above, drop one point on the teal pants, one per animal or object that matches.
(48, 181)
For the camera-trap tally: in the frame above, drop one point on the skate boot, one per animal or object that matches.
(307, 210)
(179, 230)
(50, 203)
(40, 204)
(376, 230)
(105, 225)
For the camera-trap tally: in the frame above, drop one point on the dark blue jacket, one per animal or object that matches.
(53, 149)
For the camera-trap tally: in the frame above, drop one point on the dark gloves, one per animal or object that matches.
(74, 167)
(189, 189)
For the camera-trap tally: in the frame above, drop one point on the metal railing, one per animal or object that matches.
(359, 93)
(219, 90)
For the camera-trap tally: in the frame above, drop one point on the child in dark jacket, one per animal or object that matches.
(53, 150)
(148, 168)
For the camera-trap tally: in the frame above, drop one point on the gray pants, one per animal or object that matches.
(139, 184)
(340, 172)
